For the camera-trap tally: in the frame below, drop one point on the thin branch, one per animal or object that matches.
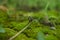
(20, 31)
(46, 14)
(47, 5)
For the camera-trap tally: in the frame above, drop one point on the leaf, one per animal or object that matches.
(2, 29)
(40, 36)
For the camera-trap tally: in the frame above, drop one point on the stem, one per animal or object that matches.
(20, 31)
(46, 15)
(47, 6)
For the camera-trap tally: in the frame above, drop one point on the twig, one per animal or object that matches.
(20, 31)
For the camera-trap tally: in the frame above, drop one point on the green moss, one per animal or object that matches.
(3, 16)
(58, 33)
(31, 39)
(18, 25)
(9, 33)
(30, 33)
(51, 37)
(23, 37)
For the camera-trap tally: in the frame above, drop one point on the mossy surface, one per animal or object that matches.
(12, 27)
(8, 33)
